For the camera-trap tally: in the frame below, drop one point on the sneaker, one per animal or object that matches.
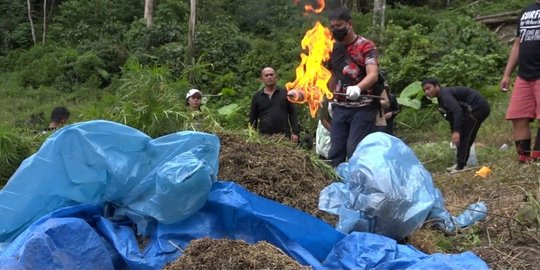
(453, 167)
(456, 170)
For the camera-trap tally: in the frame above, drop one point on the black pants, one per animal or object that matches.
(349, 127)
(469, 129)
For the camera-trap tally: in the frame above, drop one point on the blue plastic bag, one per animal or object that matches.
(386, 190)
(102, 161)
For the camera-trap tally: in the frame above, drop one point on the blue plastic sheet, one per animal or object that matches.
(85, 197)
(101, 161)
(386, 190)
(231, 212)
(369, 251)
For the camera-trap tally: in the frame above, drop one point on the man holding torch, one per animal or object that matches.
(355, 82)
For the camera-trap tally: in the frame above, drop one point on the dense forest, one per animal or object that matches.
(133, 61)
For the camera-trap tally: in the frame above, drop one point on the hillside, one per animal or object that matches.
(100, 59)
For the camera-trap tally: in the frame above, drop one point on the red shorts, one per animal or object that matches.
(525, 100)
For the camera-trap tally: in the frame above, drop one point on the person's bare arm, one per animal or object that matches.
(510, 65)
(371, 77)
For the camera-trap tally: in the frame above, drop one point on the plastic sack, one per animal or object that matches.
(473, 159)
(387, 191)
(322, 145)
(102, 161)
(231, 212)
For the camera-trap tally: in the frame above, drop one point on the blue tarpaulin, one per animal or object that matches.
(65, 219)
(101, 161)
(386, 190)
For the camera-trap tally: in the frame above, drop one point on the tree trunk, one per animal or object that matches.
(149, 12)
(379, 7)
(31, 21)
(44, 21)
(191, 32)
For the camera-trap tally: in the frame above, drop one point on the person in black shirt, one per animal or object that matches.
(271, 112)
(524, 102)
(465, 109)
(59, 117)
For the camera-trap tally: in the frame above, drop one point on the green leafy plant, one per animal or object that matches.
(413, 95)
(147, 101)
(15, 146)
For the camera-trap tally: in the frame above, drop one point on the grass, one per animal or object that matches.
(19, 104)
(511, 192)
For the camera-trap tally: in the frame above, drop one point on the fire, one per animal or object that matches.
(312, 77)
(309, 7)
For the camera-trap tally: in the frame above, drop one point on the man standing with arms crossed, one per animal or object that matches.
(525, 100)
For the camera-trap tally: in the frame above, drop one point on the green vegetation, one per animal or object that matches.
(99, 59)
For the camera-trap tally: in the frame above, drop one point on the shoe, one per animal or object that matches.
(525, 159)
(453, 167)
(456, 170)
(535, 155)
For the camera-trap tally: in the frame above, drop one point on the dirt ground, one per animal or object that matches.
(508, 238)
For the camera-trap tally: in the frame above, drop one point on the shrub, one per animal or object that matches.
(462, 68)
(406, 55)
(15, 146)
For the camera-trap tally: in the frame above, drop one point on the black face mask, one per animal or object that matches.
(340, 34)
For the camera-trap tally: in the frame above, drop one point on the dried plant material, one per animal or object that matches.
(275, 171)
(209, 254)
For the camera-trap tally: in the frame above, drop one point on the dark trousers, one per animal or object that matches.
(349, 127)
(469, 129)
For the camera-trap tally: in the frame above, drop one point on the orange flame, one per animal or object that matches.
(311, 75)
(309, 7)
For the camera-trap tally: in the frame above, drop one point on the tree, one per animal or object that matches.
(379, 7)
(31, 21)
(149, 12)
(191, 32)
(44, 21)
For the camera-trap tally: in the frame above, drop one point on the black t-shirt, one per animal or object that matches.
(273, 115)
(528, 32)
(457, 103)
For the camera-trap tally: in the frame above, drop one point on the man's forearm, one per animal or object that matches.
(512, 59)
(371, 78)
